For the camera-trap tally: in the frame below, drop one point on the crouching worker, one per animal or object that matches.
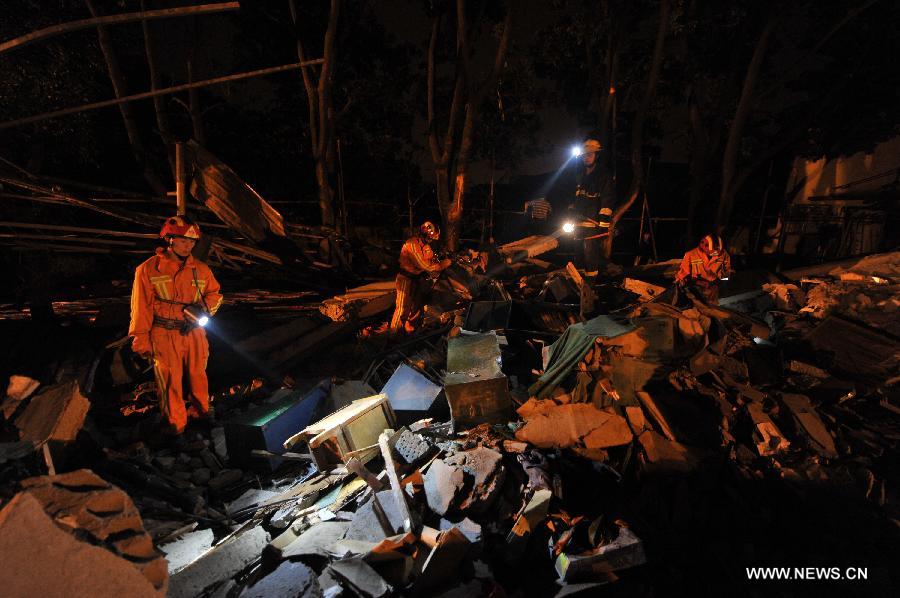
(417, 265)
(703, 267)
(173, 297)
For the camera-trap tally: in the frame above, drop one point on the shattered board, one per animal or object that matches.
(409, 390)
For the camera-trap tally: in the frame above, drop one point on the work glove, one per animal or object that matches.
(141, 346)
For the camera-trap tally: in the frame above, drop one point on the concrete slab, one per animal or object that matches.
(289, 580)
(222, 562)
(40, 559)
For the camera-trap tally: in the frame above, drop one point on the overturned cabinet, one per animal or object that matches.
(349, 432)
(266, 427)
(476, 389)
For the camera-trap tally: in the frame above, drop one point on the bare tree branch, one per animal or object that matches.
(96, 21)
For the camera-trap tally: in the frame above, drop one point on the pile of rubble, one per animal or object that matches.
(551, 439)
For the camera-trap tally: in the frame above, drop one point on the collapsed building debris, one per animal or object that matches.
(553, 450)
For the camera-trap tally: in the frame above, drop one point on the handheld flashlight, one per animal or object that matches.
(568, 227)
(196, 316)
(576, 151)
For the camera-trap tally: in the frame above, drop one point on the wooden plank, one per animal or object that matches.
(156, 93)
(146, 15)
(361, 302)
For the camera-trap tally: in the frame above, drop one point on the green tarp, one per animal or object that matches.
(571, 348)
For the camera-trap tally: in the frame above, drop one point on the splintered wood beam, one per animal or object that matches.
(159, 92)
(164, 13)
(78, 229)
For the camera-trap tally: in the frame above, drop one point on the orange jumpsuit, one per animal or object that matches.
(417, 260)
(703, 271)
(163, 286)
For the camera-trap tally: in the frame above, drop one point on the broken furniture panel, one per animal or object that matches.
(346, 432)
(410, 392)
(267, 427)
(476, 389)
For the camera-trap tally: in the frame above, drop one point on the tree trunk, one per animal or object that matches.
(736, 131)
(159, 103)
(195, 108)
(131, 128)
(326, 195)
(468, 96)
(321, 110)
(637, 130)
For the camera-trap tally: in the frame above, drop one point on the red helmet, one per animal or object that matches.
(430, 231)
(179, 226)
(711, 244)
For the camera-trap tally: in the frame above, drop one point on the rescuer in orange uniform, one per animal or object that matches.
(417, 264)
(704, 266)
(171, 295)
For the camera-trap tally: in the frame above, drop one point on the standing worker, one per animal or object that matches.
(704, 266)
(173, 297)
(593, 201)
(417, 264)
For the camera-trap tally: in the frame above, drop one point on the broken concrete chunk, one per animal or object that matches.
(625, 551)
(82, 502)
(442, 485)
(56, 413)
(800, 367)
(187, 549)
(466, 482)
(368, 526)
(290, 580)
(329, 584)
(528, 520)
(412, 448)
(766, 435)
(222, 562)
(469, 528)
(820, 439)
(564, 426)
(316, 540)
(664, 455)
(19, 389)
(59, 564)
(636, 419)
(363, 578)
(443, 562)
